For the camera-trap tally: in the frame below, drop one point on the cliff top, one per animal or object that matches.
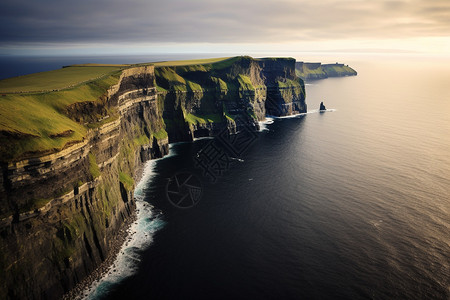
(37, 121)
(56, 80)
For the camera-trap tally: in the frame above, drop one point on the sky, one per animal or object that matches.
(96, 27)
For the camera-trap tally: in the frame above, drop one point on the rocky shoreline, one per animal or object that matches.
(83, 288)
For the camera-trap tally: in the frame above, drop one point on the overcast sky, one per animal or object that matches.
(138, 26)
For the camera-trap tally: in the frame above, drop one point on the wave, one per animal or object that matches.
(237, 159)
(140, 236)
(287, 117)
(203, 138)
(329, 110)
(270, 119)
(376, 223)
(263, 124)
(313, 111)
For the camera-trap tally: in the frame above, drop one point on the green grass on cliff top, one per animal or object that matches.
(36, 123)
(170, 74)
(56, 79)
(174, 81)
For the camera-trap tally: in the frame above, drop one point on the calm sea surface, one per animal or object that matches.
(353, 203)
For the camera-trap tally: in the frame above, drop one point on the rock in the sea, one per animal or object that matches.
(322, 107)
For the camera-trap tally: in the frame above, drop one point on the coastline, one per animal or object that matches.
(135, 234)
(84, 287)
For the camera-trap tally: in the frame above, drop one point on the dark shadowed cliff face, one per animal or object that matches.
(60, 212)
(285, 91)
(201, 100)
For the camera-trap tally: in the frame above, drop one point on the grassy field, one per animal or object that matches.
(37, 123)
(56, 79)
(170, 79)
(169, 74)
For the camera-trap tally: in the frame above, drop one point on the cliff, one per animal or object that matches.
(312, 71)
(207, 98)
(69, 162)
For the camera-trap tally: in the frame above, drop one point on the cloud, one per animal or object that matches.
(233, 21)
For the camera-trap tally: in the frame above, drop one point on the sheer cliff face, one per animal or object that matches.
(87, 192)
(285, 91)
(60, 212)
(208, 98)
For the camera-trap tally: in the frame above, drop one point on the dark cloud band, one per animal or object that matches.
(233, 21)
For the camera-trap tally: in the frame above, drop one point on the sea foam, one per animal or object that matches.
(140, 236)
(263, 124)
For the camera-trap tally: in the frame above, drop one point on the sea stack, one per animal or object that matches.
(322, 107)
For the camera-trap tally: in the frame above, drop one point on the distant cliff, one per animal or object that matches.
(67, 182)
(311, 71)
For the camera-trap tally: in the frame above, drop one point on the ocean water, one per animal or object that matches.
(353, 203)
